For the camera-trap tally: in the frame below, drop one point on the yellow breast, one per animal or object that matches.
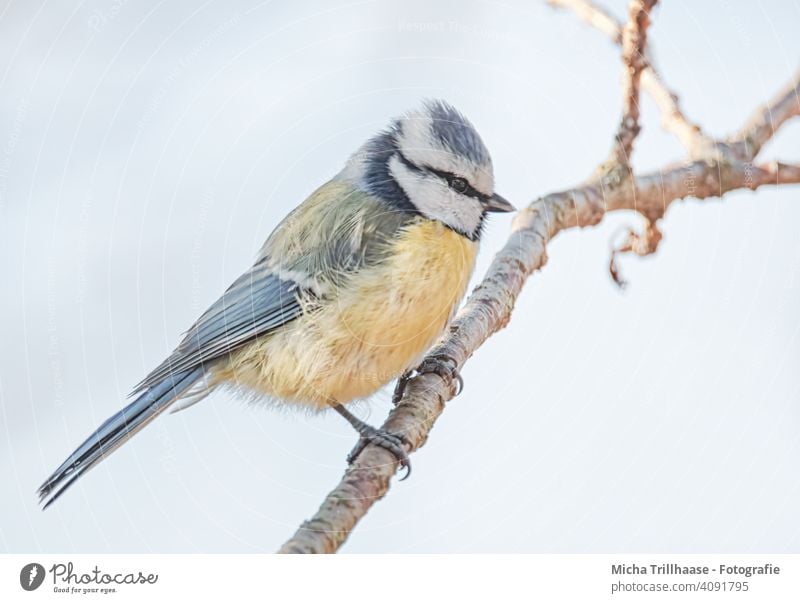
(370, 332)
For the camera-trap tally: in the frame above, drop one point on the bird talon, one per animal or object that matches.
(445, 367)
(459, 384)
(391, 442)
(400, 388)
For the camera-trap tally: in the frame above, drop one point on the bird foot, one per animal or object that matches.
(394, 443)
(444, 366)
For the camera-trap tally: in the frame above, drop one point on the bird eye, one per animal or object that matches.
(459, 185)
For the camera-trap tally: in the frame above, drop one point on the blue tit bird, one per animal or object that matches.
(347, 294)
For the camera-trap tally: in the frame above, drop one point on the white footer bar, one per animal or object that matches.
(400, 578)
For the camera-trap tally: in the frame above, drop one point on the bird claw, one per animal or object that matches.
(444, 366)
(394, 443)
(400, 388)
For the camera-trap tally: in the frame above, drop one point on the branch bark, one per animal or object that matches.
(674, 120)
(707, 173)
(767, 120)
(634, 43)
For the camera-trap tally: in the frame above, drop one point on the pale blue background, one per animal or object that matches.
(146, 150)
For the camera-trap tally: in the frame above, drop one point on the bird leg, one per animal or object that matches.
(392, 442)
(444, 366)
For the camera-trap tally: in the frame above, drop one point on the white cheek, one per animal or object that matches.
(421, 147)
(436, 200)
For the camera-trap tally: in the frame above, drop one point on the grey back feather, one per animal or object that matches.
(337, 231)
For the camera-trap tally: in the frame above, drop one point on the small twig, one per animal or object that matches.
(595, 16)
(767, 120)
(641, 244)
(694, 141)
(673, 119)
(634, 45)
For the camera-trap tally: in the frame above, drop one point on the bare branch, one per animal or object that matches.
(642, 244)
(595, 16)
(634, 44)
(767, 120)
(781, 173)
(673, 120)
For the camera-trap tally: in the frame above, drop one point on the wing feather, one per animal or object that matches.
(256, 303)
(332, 235)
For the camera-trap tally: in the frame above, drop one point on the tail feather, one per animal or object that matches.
(197, 393)
(115, 431)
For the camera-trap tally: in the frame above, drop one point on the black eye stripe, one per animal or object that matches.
(449, 177)
(446, 176)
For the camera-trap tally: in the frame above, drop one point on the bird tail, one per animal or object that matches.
(116, 430)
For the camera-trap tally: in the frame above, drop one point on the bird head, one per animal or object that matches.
(431, 161)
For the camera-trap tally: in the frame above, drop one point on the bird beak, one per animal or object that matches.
(496, 203)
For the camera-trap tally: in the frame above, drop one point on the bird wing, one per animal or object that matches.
(255, 304)
(334, 233)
